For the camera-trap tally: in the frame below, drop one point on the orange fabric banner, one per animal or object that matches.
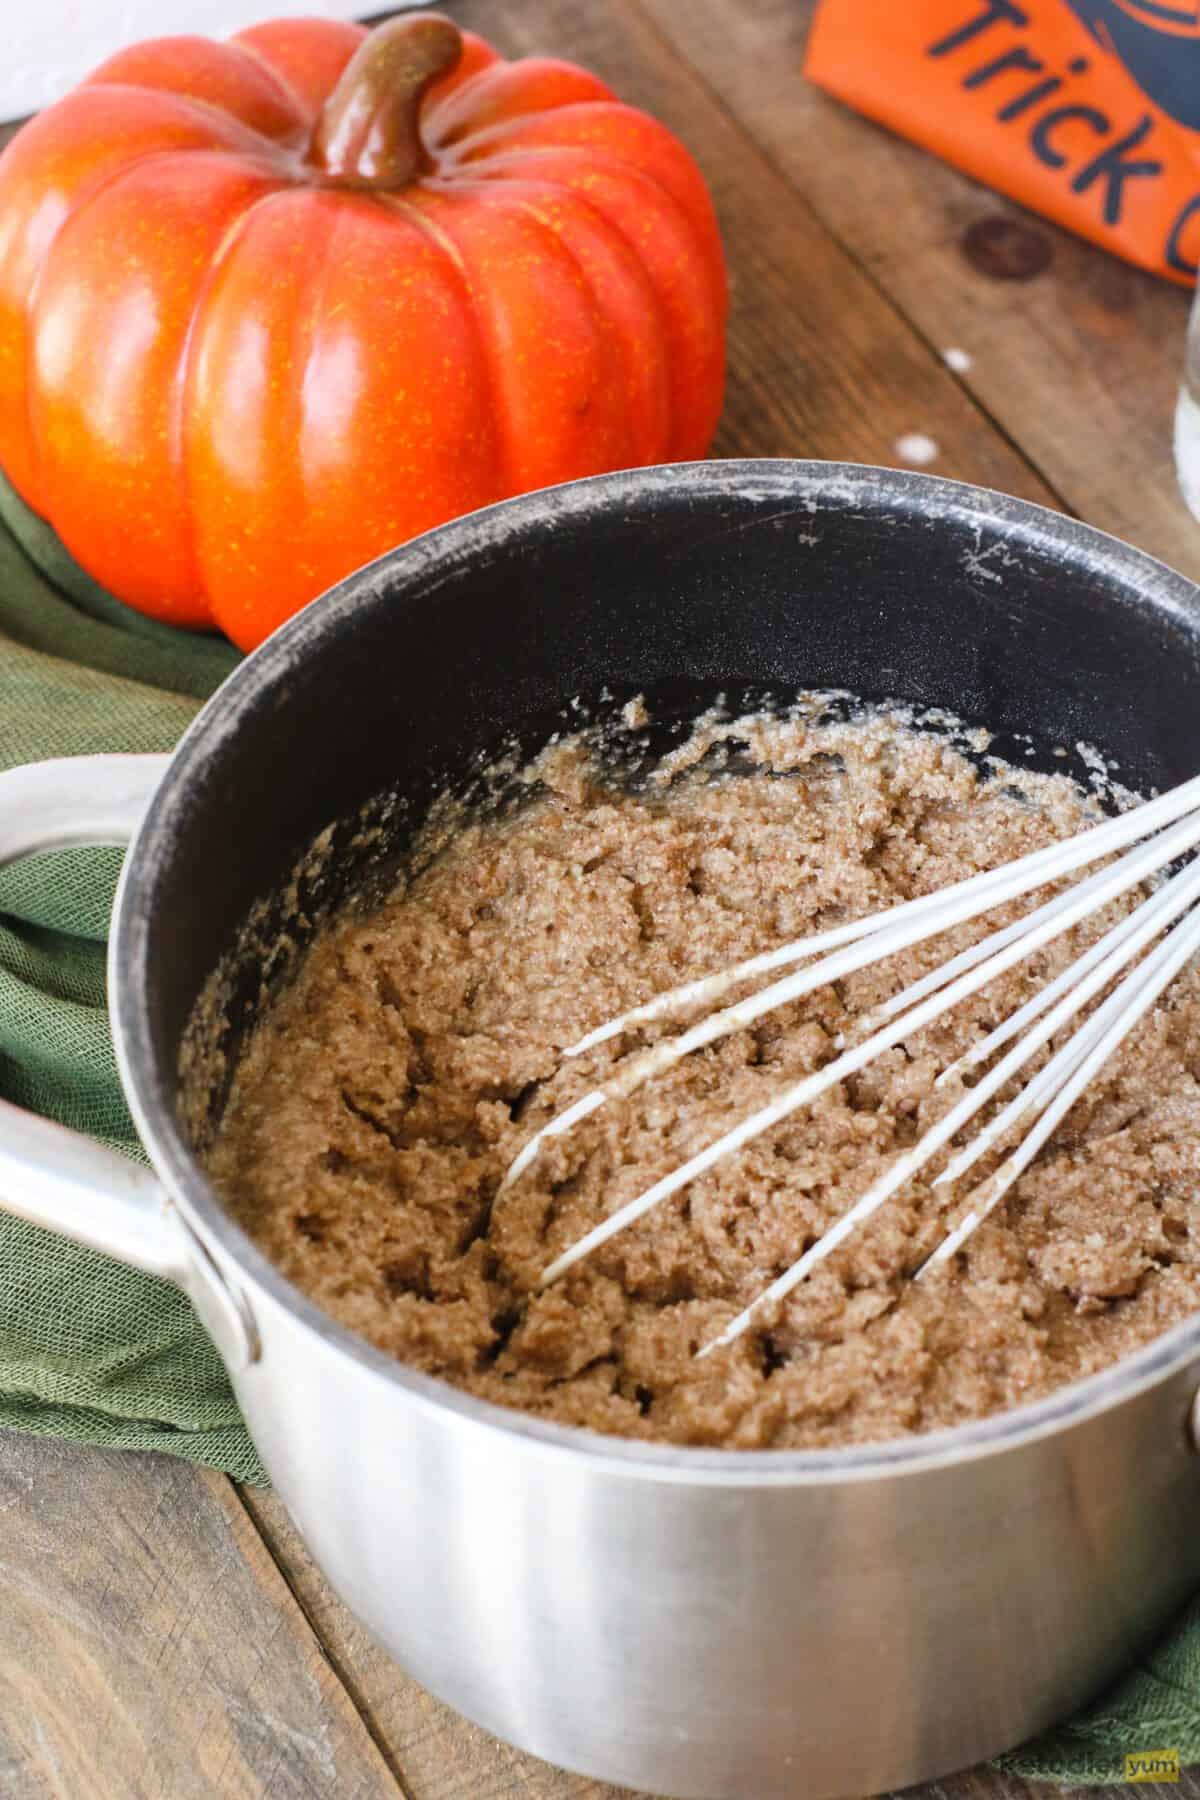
(1085, 110)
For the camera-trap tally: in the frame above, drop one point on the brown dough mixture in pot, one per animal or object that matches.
(386, 1090)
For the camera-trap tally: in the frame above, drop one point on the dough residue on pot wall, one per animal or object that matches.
(417, 1048)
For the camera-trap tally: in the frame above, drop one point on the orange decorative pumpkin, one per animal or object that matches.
(271, 306)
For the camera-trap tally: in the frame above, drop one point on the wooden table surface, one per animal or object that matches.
(162, 1632)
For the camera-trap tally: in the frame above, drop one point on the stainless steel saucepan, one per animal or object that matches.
(694, 1622)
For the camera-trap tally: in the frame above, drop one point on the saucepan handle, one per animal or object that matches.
(59, 1178)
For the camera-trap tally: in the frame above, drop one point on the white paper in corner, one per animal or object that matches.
(49, 45)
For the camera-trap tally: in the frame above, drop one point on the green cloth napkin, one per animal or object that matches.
(97, 1352)
(1156, 1706)
(88, 1349)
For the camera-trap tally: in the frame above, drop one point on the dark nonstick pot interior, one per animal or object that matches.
(743, 577)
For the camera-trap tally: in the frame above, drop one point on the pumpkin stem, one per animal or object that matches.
(368, 135)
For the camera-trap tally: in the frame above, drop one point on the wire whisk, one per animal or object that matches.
(1148, 948)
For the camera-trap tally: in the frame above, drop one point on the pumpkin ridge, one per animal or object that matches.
(607, 334)
(228, 611)
(188, 598)
(538, 108)
(206, 109)
(461, 77)
(484, 170)
(457, 82)
(183, 380)
(598, 325)
(484, 173)
(711, 258)
(436, 234)
(288, 57)
(302, 337)
(497, 128)
(282, 83)
(607, 227)
(116, 101)
(210, 70)
(79, 201)
(606, 151)
(437, 145)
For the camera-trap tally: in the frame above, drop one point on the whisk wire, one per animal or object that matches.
(1123, 947)
(976, 953)
(1016, 1022)
(1086, 977)
(1150, 837)
(1136, 995)
(878, 936)
(1036, 869)
(1131, 869)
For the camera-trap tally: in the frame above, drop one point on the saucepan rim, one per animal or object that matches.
(150, 1091)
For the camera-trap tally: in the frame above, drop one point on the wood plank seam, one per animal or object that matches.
(344, 1677)
(846, 245)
